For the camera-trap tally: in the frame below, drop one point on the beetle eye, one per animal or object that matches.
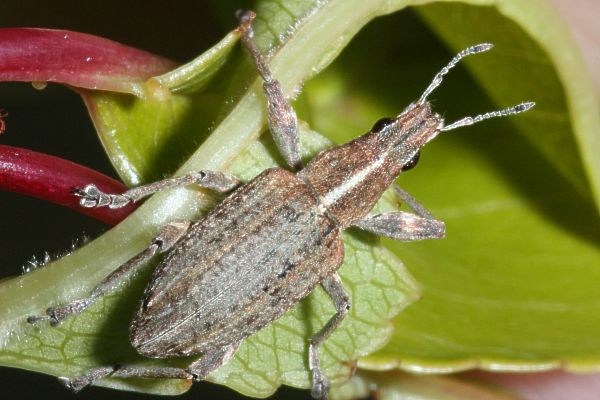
(412, 163)
(381, 124)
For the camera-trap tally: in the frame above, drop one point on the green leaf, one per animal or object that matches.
(147, 137)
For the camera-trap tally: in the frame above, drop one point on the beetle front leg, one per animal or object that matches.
(167, 238)
(402, 226)
(283, 121)
(92, 197)
(335, 289)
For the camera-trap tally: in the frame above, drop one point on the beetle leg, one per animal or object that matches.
(402, 226)
(335, 289)
(283, 121)
(168, 236)
(91, 376)
(411, 202)
(92, 197)
(198, 370)
(80, 382)
(211, 360)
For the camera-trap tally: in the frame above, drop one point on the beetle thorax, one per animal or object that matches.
(349, 179)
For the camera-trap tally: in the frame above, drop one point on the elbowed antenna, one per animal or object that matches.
(519, 108)
(437, 79)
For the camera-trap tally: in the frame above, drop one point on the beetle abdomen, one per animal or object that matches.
(248, 261)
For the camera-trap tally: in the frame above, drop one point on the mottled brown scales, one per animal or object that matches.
(254, 225)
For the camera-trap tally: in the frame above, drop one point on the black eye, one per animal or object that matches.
(381, 124)
(412, 163)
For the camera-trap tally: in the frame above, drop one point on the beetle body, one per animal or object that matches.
(248, 261)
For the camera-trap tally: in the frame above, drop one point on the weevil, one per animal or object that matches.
(271, 241)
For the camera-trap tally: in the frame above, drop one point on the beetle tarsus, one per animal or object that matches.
(81, 382)
(92, 197)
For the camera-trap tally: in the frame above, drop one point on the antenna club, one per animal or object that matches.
(437, 80)
(524, 106)
(519, 108)
(479, 48)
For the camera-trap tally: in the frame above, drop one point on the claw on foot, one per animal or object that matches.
(81, 382)
(34, 319)
(52, 315)
(92, 197)
(320, 386)
(245, 17)
(66, 382)
(55, 315)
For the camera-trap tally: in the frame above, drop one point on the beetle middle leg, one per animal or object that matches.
(168, 236)
(335, 289)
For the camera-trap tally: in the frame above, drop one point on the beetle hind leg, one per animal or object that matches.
(197, 371)
(80, 382)
(168, 236)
